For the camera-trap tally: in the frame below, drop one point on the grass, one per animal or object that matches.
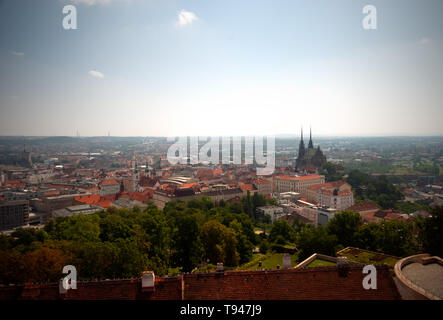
(368, 257)
(269, 261)
(321, 263)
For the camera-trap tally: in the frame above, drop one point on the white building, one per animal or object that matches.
(298, 184)
(274, 212)
(337, 195)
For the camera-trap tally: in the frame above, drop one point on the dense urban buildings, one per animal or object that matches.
(275, 211)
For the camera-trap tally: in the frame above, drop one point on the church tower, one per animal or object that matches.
(136, 177)
(147, 169)
(301, 148)
(311, 145)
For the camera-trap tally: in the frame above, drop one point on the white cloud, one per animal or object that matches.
(186, 18)
(425, 40)
(18, 54)
(96, 74)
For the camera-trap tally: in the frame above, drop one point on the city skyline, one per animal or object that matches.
(220, 68)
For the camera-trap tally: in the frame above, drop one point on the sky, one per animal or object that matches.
(221, 67)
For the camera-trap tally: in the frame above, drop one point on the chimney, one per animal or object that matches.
(219, 267)
(341, 261)
(148, 281)
(342, 266)
(286, 261)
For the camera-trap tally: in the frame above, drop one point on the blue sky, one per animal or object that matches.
(238, 68)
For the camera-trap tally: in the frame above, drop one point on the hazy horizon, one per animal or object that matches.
(280, 136)
(221, 68)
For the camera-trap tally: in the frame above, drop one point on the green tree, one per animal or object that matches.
(281, 230)
(433, 232)
(396, 238)
(220, 243)
(312, 240)
(187, 243)
(244, 246)
(113, 227)
(212, 239)
(231, 255)
(345, 225)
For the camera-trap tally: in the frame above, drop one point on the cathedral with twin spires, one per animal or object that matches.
(310, 158)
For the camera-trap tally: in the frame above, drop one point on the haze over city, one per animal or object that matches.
(223, 155)
(165, 68)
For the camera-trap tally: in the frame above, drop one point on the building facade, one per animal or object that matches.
(296, 183)
(13, 214)
(337, 195)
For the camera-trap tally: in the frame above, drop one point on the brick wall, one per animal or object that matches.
(288, 284)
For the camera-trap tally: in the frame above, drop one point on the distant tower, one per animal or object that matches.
(311, 145)
(136, 177)
(26, 156)
(301, 148)
(146, 169)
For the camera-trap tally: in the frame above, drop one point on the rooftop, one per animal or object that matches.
(428, 277)
(322, 283)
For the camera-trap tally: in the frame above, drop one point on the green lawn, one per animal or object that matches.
(368, 257)
(269, 261)
(321, 263)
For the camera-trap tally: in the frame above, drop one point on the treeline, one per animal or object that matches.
(120, 243)
(377, 189)
(395, 237)
(366, 187)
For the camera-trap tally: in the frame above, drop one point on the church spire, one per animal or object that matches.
(311, 145)
(301, 148)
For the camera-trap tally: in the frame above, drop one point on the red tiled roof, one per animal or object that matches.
(142, 196)
(246, 187)
(363, 206)
(328, 185)
(188, 185)
(309, 177)
(95, 199)
(104, 204)
(14, 183)
(340, 193)
(217, 172)
(52, 193)
(108, 182)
